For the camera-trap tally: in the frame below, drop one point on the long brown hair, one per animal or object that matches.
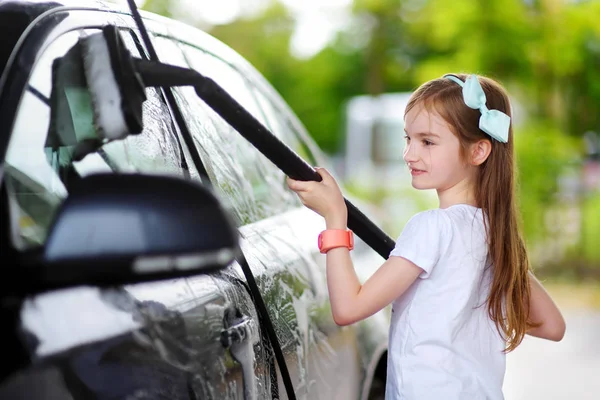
(508, 300)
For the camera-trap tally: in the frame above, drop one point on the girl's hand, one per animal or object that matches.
(325, 198)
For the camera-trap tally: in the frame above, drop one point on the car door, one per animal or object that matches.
(321, 356)
(155, 340)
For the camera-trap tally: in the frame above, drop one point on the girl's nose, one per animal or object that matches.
(409, 154)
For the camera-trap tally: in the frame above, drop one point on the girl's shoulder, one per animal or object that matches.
(433, 221)
(434, 215)
(425, 238)
(443, 220)
(447, 215)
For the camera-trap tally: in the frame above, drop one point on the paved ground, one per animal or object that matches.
(570, 369)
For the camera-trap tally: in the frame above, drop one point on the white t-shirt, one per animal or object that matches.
(442, 343)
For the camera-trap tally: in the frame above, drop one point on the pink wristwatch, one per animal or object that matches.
(331, 238)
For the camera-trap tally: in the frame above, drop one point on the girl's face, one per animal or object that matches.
(432, 152)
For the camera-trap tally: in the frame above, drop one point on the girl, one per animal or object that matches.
(458, 278)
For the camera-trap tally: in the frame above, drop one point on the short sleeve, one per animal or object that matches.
(424, 240)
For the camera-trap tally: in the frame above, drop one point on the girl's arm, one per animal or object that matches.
(351, 301)
(544, 311)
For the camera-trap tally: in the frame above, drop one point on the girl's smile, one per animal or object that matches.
(416, 172)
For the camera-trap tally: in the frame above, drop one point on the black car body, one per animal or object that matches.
(162, 340)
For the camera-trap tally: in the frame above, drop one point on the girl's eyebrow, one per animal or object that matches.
(425, 134)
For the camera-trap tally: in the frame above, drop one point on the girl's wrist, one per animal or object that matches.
(339, 221)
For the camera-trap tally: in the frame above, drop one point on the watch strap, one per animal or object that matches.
(332, 238)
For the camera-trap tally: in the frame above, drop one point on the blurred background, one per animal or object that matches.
(347, 67)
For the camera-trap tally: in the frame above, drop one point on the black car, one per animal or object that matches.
(187, 336)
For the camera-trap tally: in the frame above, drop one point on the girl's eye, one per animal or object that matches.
(406, 138)
(427, 142)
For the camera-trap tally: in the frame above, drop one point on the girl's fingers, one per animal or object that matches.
(324, 174)
(297, 186)
(305, 186)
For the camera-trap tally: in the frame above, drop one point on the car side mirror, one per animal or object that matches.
(128, 228)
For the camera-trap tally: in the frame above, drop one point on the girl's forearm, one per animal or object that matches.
(343, 285)
(342, 282)
(544, 311)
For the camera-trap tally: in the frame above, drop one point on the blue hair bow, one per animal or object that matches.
(493, 122)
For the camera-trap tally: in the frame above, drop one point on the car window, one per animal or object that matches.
(267, 180)
(34, 187)
(212, 138)
(157, 148)
(280, 125)
(39, 160)
(254, 187)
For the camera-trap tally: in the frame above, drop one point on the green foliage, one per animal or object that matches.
(314, 88)
(591, 229)
(542, 156)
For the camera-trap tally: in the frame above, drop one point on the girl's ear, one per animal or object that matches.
(480, 151)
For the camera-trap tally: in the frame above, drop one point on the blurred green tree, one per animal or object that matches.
(314, 88)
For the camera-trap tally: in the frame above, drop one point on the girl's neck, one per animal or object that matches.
(461, 193)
